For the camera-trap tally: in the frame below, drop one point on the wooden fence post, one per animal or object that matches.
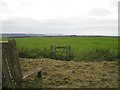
(4, 63)
(68, 52)
(5, 69)
(11, 69)
(14, 63)
(54, 50)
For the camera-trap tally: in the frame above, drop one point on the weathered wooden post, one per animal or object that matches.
(11, 68)
(68, 52)
(14, 62)
(54, 50)
(5, 70)
(10, 59)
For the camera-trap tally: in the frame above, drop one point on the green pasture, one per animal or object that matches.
(79, 45)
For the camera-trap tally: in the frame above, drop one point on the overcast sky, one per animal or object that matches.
(80, 17)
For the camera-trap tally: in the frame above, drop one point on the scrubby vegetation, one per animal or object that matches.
(70, 74)
(97, 54)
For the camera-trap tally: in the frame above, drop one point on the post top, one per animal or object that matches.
(3, 42)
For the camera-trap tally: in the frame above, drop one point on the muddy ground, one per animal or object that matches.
(70, 74)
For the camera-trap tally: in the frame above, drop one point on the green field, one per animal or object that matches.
(83, 47)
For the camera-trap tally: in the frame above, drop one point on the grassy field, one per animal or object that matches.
(81, 47)
(92, 71)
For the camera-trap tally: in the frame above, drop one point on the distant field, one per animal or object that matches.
(79, 45)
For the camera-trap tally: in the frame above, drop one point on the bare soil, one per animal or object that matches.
(71, 74)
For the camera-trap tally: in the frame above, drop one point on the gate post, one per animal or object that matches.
(14, 61)
(68, 52)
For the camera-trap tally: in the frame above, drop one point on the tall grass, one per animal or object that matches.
(40, 53)
(33, 53)
(97, 54)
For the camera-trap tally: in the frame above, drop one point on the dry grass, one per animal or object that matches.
(70, 74)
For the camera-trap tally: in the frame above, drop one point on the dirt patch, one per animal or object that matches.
(70, 74)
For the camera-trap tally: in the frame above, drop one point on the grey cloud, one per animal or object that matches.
(4, 8)
(114, 3)
(63, 26)
(2, 3)
(99, 12)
